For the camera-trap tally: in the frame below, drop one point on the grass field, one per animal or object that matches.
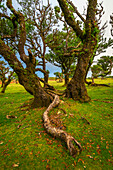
(30, 147)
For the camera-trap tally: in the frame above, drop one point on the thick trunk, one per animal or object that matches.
(27, 77)
(31, 83)
(76, 88)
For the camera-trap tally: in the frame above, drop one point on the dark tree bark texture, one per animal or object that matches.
(26, 76)
(76, 88)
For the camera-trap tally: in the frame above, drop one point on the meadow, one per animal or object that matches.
(25, 145)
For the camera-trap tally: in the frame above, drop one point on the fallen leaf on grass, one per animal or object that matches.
(89, 156)
(61, 101)
(48, 167)
(11, 117)
(15, 165)
(1, 142)
(81, 161)
(75, 163)
(19, 126)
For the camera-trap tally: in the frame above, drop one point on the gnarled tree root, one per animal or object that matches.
(58, 133)
(96, 85)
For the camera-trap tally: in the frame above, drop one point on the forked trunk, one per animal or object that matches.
(76, 88)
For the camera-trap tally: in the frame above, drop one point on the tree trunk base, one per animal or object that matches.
(58, 133)
(41, 102)
(77, 91)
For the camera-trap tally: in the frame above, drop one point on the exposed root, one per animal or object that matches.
(56, 92)
(58, 133)
(83, 118)
(11, 117)
(96, 85)
(102, 101)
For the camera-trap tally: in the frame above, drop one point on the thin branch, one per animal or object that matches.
(76, 11)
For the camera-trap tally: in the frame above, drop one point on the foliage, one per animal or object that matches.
(59, 76)
(103, 68)
(30, 146)
(15, 77)
(96, 69)
(40, 21)
(64, 49)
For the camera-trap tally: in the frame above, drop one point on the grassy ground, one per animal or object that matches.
(30, 147)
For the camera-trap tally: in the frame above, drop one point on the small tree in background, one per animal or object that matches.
(58, 76)
(5, 75)
(103, 68)
(106, 63)
(3, 71)
(96, 69)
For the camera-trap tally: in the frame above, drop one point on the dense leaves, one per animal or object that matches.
(103, 68)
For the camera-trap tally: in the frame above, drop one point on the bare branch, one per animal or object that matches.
(76, 11)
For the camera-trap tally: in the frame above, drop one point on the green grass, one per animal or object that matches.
(30, 147)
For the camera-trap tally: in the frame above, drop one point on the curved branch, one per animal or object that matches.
(69, 17)
(76, 11)
(56, 132)
(20, 19)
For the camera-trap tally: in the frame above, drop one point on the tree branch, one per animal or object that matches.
(69, 17)
(76, 11)
(20, 19)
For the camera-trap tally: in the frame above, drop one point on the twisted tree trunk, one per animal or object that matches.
(56, 132)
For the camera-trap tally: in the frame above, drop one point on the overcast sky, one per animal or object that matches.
(108, 8)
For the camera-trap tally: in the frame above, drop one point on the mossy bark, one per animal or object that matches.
(76, 88)
(31, 83)
(27, 77)
(66, 79)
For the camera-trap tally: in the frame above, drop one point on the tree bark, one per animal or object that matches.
(32, 85)
(27, 77)
(66, 79)
(76, 88)
(56, 132)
